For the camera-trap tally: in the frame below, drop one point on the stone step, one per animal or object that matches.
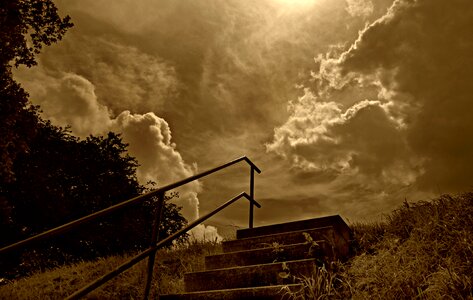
(274, 292)
(335, 221)
(247, 276)
(286, 238)
(277, 253)
(264, 261)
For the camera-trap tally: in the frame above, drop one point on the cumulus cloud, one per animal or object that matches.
(417, 129)
(82, 112)
(208, 233)
(123, 76)
(361, 140)
(150, 142)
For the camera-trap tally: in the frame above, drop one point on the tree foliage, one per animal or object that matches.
(62, 178)
(25, 26)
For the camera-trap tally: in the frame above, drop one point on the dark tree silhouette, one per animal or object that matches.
(62, 178)
(25, 26)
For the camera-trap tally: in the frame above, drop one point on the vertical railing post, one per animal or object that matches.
(154, 240)
(252, 195)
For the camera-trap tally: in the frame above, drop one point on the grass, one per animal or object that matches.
(426, 252)
(60, 282)
(422, 250)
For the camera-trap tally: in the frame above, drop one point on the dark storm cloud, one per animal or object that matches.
(425, 65)
(416, 134)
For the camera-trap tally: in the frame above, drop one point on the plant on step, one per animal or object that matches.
(278, 252)
(286, 272)
(323, 283)
(313, 245)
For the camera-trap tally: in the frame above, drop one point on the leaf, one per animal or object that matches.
(284, 275)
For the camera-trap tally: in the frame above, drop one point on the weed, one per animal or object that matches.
(321, 284)
(313, 245)
(277, 252)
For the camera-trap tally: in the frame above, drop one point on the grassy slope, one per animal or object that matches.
(423, 250)
(60, 282)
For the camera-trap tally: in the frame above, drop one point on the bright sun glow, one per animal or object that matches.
(297, 2)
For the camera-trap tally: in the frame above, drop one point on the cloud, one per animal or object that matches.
(123, 76)
(82, 110)
(149, 139)
(361, 140)
(416, 130)
(360, 7)
(425, 67)
(205, 233)
(219, 74)
(232, 60)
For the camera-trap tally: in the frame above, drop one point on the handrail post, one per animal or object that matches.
(154, 240)
(252, 195)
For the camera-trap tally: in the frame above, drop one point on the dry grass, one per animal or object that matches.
(422, 251)
(321, 284)
(60, 282)
(426, 252)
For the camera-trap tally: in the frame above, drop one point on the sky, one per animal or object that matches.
(348, 107)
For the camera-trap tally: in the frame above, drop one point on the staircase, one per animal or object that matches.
(256, 265)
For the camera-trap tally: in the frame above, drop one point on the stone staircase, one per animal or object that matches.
(256, 265)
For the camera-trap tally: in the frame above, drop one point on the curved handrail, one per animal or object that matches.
(133, 201)
(146, 253)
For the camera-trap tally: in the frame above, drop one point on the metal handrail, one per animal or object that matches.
(151, 251)
(133, 201)
(146, 253)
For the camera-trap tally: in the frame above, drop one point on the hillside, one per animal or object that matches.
(422, 250)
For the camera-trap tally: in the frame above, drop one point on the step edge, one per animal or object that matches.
(292, 222)
(252, 266)
(262, 248)
(236, 289)
(276, 234)
(226, 260)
